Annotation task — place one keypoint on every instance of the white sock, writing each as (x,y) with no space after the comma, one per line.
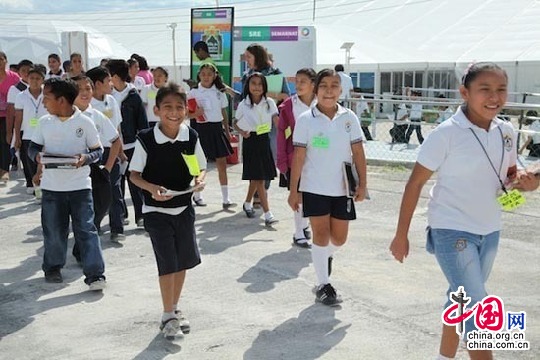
(319,256)
(175,307)
(299,224)
(332,248)
(248,206)
(167,315)
(441,357)
(225,194)
(268,215)
(197,195)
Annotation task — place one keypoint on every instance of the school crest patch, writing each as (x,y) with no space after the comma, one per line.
(348,126)
(508,142)
(79,132)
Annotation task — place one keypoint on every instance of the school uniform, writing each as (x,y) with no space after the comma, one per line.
(170,224)
(289,111)
(32,110)
(58,75)
(416,117)
(138,83)
(397,132)
(534,146)
(110,108)
(464,216)
(328,144)
(148,96)
(256,152)
(67,193)
(211,134)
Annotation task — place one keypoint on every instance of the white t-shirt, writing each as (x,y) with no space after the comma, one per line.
(416,112)
(73,136)
(328,144)
(299,107)
(110,108)
(105,127)
(139,83)
(346,85)
(138,162)
(13,92)
(361,106)
(464,196)
(148,96)
(211,100)
(250,117)
(535,126)
(32,109)
(402,111)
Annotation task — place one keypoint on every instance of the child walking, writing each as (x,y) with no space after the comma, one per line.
(474,154)
(149,92)
(214,131)
(29,109)
(289,111)
(255,115)
(170,221)
(67,192)
(324,138)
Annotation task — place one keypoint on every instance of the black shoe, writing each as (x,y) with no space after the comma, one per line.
(330,259)
(327,295)
(199,202)
(250,213)
(228,205)
(54,276)
(302,243)
(307,233)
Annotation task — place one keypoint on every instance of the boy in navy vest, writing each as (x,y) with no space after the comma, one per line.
(167,158)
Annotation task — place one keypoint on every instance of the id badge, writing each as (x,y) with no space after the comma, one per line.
(263,129)
(152,95)
(192,164)
(320,142)
(34,122)
(511,200)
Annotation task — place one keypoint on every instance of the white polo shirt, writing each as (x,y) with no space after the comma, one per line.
(464,196)
(104,126)
(148,96)
(322,172)
(211,100)
(32,109)
(13,92)
(250,117)
(110,108)
(346,85)
(299,107)
(416,112)
(138,162)
(71,137)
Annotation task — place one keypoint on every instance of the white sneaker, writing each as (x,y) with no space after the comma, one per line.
(171,328)
(30,191)
(98,285)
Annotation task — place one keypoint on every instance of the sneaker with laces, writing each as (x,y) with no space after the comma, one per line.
(98,285)
(184,323)
(326,294)
(53,276)
(170,328)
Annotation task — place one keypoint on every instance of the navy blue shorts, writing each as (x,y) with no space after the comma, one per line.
(338,207)
(173,240)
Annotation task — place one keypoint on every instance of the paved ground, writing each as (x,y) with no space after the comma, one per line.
(251,297)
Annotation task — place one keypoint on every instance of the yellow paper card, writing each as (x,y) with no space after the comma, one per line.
(263,129)
(34,122)
(192,164)
(512,200)
(288,132)
(152,95)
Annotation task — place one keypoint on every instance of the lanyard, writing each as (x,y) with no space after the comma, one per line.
(36,106)
(489,159)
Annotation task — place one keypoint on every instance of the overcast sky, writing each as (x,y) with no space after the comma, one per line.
(70,6)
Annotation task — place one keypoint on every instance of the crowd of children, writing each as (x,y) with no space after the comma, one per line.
(82,135)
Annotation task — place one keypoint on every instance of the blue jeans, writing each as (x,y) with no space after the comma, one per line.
(466,260)
(56,210)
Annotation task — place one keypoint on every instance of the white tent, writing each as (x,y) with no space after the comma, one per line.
(388,34)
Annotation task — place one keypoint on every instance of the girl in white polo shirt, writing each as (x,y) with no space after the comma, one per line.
(212,124)
(149,92)
(474,154)
(255,115)
(324,138)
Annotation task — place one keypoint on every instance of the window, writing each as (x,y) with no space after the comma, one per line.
(367,82)
(386,85)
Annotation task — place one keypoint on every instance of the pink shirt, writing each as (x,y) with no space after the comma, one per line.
(11,79)
(147,76)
